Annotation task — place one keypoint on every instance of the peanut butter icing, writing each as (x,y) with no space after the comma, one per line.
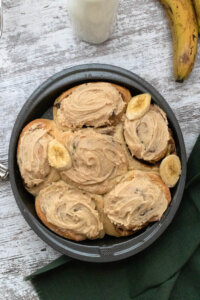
(71,209)
(96,159)
(91,104)
(32,155)
(148,137)
(134,203)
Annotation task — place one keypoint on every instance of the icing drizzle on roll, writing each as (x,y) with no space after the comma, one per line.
(91,104)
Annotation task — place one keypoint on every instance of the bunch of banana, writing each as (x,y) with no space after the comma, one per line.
(197,9)
(185,34)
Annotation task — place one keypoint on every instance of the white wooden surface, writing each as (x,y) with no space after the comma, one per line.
(37,42)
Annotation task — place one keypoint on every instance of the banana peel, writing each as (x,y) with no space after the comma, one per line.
(197,10)
(185,35)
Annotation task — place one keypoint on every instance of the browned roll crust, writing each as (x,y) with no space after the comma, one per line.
(69,212)
(125,93)
(32,155)
(171,145)
(141,198)
(114,114)
(158,181)
(113,230)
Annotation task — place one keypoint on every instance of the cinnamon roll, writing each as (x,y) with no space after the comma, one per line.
(32,155)
(69,212)
(133,163)
(92,104)
(139,199)
(148,137)
(97,161)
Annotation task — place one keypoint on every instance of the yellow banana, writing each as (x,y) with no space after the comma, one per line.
(170,170)
(185,34)
(138,106)
(197,9)
(58,156)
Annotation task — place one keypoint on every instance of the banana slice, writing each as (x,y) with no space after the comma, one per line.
(170,170)
(138,106)
(58,156)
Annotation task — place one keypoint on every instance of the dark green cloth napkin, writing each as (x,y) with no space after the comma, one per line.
(169,269)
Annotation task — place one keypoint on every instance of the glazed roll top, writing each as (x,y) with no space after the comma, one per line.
(33,152)
(91,104)
(137,201)
(96,158)
(70,210)
(148,137)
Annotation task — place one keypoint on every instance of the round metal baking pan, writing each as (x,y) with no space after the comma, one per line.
(39,105)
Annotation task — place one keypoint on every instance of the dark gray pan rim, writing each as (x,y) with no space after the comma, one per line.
(101,251)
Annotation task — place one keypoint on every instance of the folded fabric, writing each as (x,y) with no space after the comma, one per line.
(168,269)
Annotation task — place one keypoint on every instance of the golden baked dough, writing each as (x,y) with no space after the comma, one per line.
(69,212)
(92,104)
(148,137)
(98,161)
(139,199)
(32,155)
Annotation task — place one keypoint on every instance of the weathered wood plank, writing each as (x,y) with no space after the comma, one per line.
(38,42)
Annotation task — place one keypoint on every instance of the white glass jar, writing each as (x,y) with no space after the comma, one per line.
(93,20)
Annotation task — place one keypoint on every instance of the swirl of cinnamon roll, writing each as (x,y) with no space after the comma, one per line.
(140,199)
(69,212)
(97,160)
(32,154)
(92,104)
(148,137)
